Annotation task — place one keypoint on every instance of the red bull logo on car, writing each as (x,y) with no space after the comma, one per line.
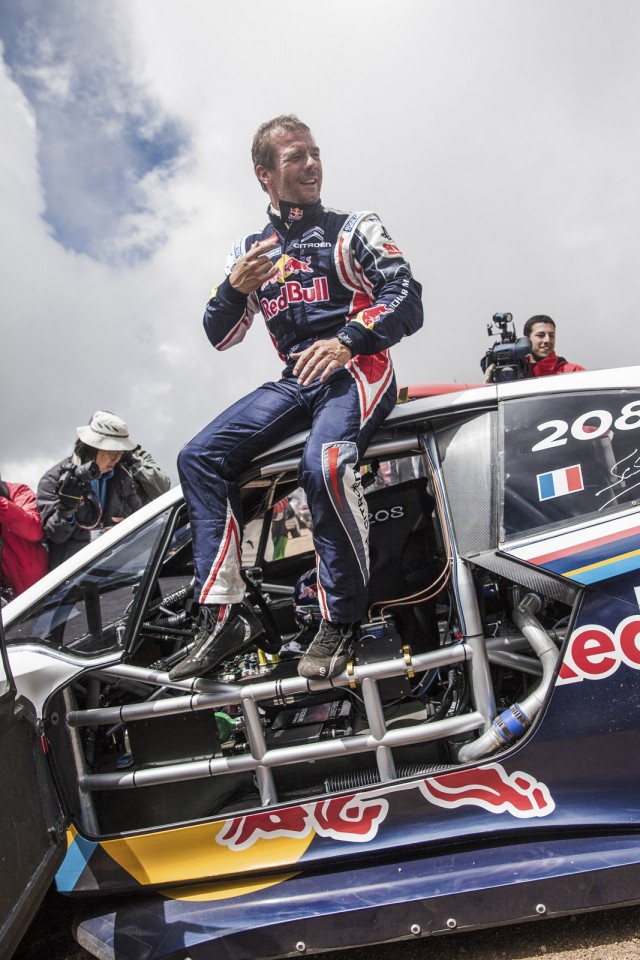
(353,818)
(282,837)
(492,789)
(357,818)
(595,653)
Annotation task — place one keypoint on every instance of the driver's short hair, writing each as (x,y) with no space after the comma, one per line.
(531,322)
(262,152)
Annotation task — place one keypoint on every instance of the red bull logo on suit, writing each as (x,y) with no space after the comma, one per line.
(287,267)
(294,292)
(371,315)
(292,265)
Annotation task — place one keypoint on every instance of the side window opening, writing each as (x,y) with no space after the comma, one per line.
(87,614)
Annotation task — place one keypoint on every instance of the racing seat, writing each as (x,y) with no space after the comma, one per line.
(404,557)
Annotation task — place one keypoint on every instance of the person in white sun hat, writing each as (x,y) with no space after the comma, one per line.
(89,491)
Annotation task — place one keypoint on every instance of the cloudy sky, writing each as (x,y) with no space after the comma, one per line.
(499,140)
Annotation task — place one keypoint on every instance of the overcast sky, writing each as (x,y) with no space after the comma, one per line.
(499,141)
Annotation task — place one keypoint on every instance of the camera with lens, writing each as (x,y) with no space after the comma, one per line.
(505,359)
(75,482)
(85,472)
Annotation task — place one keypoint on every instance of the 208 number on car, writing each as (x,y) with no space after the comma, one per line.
(588,426)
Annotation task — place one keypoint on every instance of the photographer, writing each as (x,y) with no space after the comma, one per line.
(89,491)
(23,559)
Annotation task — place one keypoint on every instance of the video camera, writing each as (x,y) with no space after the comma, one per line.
(505,359)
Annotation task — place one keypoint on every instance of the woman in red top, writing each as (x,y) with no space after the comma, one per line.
(23,559)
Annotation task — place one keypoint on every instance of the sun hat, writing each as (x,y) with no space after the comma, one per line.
(106,432)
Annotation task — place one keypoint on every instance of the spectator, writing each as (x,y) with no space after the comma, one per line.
(23,558)
(543,361)
(89,491)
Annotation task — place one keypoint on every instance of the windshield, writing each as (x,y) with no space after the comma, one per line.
(87,614)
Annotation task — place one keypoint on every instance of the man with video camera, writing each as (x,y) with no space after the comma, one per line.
(89,491)
(518,358)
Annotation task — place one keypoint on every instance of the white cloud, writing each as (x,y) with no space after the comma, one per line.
(100,132)
(53,80)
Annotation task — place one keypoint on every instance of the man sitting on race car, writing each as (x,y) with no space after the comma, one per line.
(335,293)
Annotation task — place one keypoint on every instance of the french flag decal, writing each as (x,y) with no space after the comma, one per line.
(557,483)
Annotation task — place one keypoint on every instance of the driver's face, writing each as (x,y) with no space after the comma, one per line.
(543,340)
(297,170)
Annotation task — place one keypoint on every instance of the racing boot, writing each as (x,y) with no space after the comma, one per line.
(329,651)
(223,629)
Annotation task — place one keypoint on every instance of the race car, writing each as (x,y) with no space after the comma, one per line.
(475,764)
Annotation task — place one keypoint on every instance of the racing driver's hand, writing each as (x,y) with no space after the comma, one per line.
(254,268)
(320,360)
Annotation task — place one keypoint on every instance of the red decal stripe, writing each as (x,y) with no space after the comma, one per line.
(225,342)
(231,533)
(332,458)
(586,545)
(359,367)
(322,597)
(574,478)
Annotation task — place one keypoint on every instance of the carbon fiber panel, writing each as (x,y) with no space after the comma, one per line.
(532,578)
(471,479)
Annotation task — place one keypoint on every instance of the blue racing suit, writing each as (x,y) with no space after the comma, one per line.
(339,274)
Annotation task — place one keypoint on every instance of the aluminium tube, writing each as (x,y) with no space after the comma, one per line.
(514,722)
(281,756)
(481,684)
(377,726)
